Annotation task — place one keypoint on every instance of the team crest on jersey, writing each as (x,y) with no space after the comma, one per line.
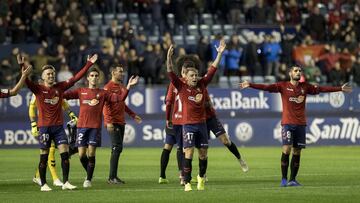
(298,99)
(52,101)
(197,98)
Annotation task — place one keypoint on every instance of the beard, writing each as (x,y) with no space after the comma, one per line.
(296,78)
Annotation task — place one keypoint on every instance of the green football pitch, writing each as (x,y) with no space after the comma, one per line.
(328,174)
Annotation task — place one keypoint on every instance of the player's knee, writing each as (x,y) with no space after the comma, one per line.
(202,156)
(202,153)
(296,151)
(82,153)
(226,142)
(168,147)
(286,149)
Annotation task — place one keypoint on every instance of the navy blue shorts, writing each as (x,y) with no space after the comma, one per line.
(195,135)
(175,138)
(88,136)
(49,133)
(214,125)
(294,135)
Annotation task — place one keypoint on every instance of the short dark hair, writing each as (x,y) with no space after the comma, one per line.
(113,67)
(187,61)
(191,69)
(292,67)
(47,67)
(93,69)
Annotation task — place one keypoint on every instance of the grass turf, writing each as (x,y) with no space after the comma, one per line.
(328,174)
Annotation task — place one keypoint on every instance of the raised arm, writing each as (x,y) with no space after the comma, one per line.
(31,85)
(169,67)
(169,101)
(212,69)
(25,73)
(270,88)
(220,51)
(169,62)
(312,89)
(132,81)
(90,61)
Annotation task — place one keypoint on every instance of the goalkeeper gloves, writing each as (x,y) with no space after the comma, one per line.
(34,129)
(73,117)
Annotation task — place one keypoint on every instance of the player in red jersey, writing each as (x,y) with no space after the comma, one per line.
(114,121)
(293,96)
(5,93)
(192,94)
(214,125)
(92,100)
(173,127)
(50,117)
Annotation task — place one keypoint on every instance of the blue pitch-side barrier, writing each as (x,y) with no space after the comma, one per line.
(251,118)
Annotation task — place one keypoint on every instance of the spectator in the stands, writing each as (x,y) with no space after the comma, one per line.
(337,75)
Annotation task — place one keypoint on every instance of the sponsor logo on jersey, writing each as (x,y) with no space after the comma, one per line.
(289,89)
(84,93)
(4,91)
(298,99)
(92,102)
(52,101)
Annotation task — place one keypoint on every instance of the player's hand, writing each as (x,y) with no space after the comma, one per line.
(133,81)
(27,71)
(93,58)
(34,129)
(169,124)
(20,59)
(73,117)
(110,127)
(222,46)
(244,84)
(138,119)
(346,88)
(170,52)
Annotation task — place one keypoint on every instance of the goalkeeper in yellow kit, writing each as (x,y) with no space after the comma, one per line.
(35,133)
